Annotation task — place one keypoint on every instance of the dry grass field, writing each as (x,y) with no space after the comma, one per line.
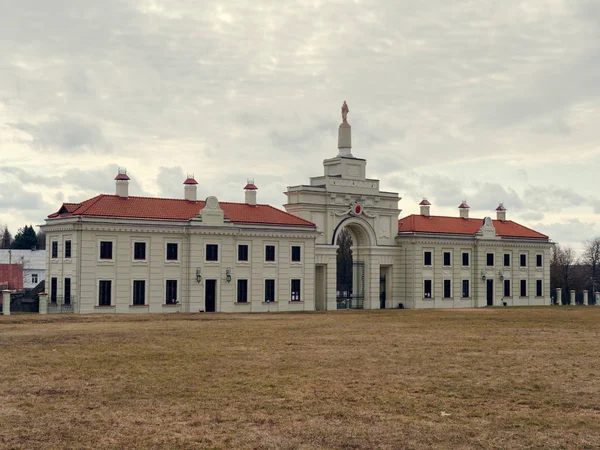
(490,378)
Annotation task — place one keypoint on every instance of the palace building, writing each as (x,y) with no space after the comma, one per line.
(120,253)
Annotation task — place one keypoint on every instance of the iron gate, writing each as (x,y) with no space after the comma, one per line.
(351,288)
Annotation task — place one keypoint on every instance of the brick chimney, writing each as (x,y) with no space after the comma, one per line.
(463,210)
(501,212)
(250,189)
(190,189)
(425,207)
(122,183)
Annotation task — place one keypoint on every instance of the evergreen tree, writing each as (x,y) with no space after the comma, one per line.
(6,239)
(41,239)
(25,239)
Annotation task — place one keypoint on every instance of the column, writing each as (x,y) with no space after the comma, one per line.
(572,292)
(43,303)
(585,298)
(559,296)
(6,303)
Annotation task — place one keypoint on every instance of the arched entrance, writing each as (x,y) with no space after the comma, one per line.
(353,237)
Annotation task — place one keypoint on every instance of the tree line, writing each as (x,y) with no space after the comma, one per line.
(570,271)
(25,239)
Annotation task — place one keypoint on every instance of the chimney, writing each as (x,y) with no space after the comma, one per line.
(250,189)
(122,183)
(425,207)
(190,188)
(463,210)
(501,212)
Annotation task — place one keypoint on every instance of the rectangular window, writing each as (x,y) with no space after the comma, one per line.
(490,259)
(427,289)
(427,258)
(67,249)
(104,288)
(507,260)
(212,252)
(295,253)
(139,292)
(447,289)
(54,249)
(270,253)
(139,251)
(172,251)
(242,290)
(67,291)
(295,290)
(242,252)
(34,278)
(507,288)
(171,292)
(538,260)
(465,289)
(447,258)
(106,250)
(523,288)
(269,290)
(523,260)
(53,289)
(465,259)
(538,288)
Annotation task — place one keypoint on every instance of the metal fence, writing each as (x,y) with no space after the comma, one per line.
(62,306)
(351,302)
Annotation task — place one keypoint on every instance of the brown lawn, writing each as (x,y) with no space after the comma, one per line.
(492,378)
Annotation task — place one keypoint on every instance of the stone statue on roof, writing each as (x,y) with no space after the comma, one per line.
(345,111)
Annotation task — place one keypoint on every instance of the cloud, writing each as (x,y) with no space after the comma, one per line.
(170,181)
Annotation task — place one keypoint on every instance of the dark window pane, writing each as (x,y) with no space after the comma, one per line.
(507,288)
(53,289)
(490,259)
(139,292)
(139,250)
(427,289)
(54,249)
(507,260)
(242,252)
(212,252)
(538,288)
(67,291)
(427,258)
(465,288)
(523,288)
(538,260)
(447,258)
(295,253)
(242,291)
(171,292)
(270,253)
(106,250)
(171,251)
(465,259)
(269,290)
(104,293)
(67,249)
(295,290)
(447,289)
(523,261)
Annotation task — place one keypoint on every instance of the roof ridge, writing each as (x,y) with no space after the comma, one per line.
(92,201)
(289,214)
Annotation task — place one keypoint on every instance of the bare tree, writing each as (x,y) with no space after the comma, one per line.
(591,258)
(561,264)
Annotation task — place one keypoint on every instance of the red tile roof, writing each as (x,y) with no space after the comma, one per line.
(500,207)
(458,225)
(190,180)
(122,176)
(251,187)
(425,202)
(175,209)
(464,205)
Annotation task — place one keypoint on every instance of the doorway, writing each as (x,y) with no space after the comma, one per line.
(382,291)
(490,292)
(210,295)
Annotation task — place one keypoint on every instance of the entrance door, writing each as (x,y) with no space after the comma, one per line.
(382,291)
(210,295)
(490,292)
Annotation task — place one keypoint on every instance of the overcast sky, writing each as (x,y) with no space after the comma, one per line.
(480,100)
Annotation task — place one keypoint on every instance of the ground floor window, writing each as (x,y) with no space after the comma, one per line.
(538,288)
(427,289)
(295,290)
(171,292)
(53,289)
(67,291)
(242,291)
(139,292)
(447,289)
(507,288)
(523,288)
(269,290)
(465,289)
(104,292)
